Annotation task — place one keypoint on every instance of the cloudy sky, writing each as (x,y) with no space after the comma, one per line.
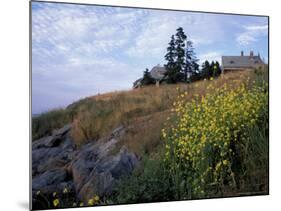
(80,50)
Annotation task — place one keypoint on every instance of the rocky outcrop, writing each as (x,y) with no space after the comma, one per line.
(90,170)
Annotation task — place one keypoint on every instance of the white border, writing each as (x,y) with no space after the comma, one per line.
(14,116)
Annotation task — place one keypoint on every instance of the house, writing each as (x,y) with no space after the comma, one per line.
(242,62)
(137,83)
(157,72)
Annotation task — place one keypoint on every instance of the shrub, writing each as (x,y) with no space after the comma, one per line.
(211,145)
(150,182)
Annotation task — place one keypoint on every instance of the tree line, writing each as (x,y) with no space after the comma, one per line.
(182,63)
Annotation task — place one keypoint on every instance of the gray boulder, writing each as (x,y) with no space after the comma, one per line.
(48,178)
(90,170)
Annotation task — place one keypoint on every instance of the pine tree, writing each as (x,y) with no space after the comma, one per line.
(218,68)
(180,50)
(213,70)
(206,70)
(171,54)
(171,57)
(181,59)
(173,72)
(191,65)
(147,78)
(210,69)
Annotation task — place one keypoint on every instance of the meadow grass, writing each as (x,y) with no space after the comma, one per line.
(172,169)
(96,116)
(215,146)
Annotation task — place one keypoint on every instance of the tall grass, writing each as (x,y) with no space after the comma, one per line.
(214,141)
(97,116)
(45,123)
(202,161)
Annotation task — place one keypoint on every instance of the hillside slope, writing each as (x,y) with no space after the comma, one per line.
(143,111)
(150,144)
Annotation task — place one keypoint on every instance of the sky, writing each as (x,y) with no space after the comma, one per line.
(84,50)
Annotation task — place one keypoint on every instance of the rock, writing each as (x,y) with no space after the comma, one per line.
(46,158)
(48,178)
(42,142)
(118,132)
(90,170)
(52,141)
(62,131)
(122,164)
(105,174)
(98,174)
(98,184)
(52,152)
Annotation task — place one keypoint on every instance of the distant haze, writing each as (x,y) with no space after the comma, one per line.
(80,50)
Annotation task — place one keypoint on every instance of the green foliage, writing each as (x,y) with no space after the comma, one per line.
(44,124)
(147,78)
(181,59)
(210,70)
(171,54)
(212,148)
(150,182)
(65,198)
(180,42)
(191,66)
(176,57)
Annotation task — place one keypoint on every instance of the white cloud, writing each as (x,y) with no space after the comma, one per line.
(76,30)
(82,50)
(157,28)
(210,56)
(251,34)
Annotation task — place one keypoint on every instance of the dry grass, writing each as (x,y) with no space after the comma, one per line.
(143,111)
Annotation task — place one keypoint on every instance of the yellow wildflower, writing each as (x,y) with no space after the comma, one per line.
(91,202)
(65,190)
(56,202)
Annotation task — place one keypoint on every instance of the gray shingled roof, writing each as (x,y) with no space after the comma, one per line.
(241,61)
(158,72)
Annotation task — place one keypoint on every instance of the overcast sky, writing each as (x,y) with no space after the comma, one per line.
(81,50)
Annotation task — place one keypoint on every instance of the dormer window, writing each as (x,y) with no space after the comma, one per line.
(231,62)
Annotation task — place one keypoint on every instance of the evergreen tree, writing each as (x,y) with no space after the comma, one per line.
(171,64)
(206,70)
(180,50)
(218,69)
(210,69)
(181,59)
(171,54)
(213,70)
(191,65)
(147,78)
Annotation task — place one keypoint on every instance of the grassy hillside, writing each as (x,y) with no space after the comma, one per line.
(216,145)
(200,140)
(143,111)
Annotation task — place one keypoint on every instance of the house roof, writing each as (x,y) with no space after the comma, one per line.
(241,61)
(137,83)
(158,72)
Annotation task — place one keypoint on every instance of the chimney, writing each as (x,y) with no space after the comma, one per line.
(242,53)
(251,53)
